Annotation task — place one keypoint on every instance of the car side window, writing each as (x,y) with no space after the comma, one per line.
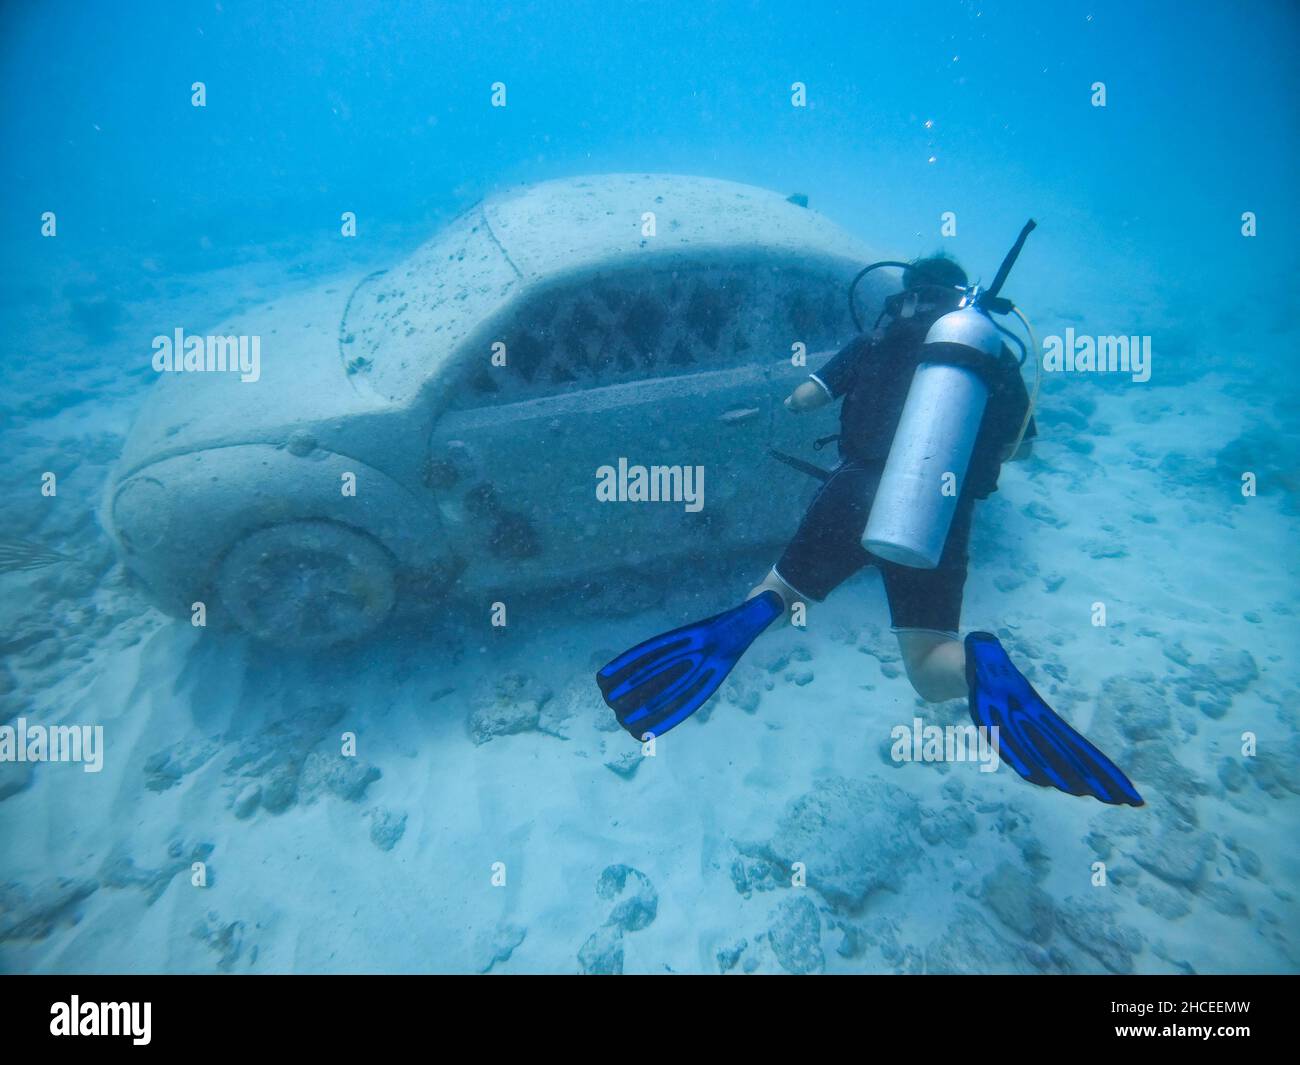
(661,322)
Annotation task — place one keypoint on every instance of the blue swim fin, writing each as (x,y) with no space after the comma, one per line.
(660,683)
(1033,739)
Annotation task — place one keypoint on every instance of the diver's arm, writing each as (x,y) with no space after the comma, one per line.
(808,396)
(833,380)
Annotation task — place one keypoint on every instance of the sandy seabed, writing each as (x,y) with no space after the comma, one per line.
(495,817)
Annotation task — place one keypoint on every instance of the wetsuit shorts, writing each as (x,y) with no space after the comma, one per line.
(826,551)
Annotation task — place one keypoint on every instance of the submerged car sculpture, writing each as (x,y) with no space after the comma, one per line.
(468,397)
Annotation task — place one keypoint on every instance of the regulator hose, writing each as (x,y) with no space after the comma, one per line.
(1038,380)
(853,287)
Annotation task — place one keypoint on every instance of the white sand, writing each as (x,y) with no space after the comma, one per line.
(307,889)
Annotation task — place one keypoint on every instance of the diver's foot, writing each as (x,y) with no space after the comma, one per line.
(660,682)
(1031,737)
(773,583)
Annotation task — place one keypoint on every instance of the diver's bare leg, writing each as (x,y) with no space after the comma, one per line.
(773,583)
(935,663)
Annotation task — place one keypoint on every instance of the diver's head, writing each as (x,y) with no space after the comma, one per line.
(934,271)
(932,286)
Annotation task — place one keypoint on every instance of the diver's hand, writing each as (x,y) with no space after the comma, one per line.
(808,396)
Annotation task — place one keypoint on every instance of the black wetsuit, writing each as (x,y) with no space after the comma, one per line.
(873,374)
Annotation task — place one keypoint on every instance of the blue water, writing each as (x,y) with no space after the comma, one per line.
(913,110)
(384,108)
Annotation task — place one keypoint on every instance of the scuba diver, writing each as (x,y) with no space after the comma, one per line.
(933,404)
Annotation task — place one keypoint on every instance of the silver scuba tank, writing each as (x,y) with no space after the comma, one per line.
(915,501)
